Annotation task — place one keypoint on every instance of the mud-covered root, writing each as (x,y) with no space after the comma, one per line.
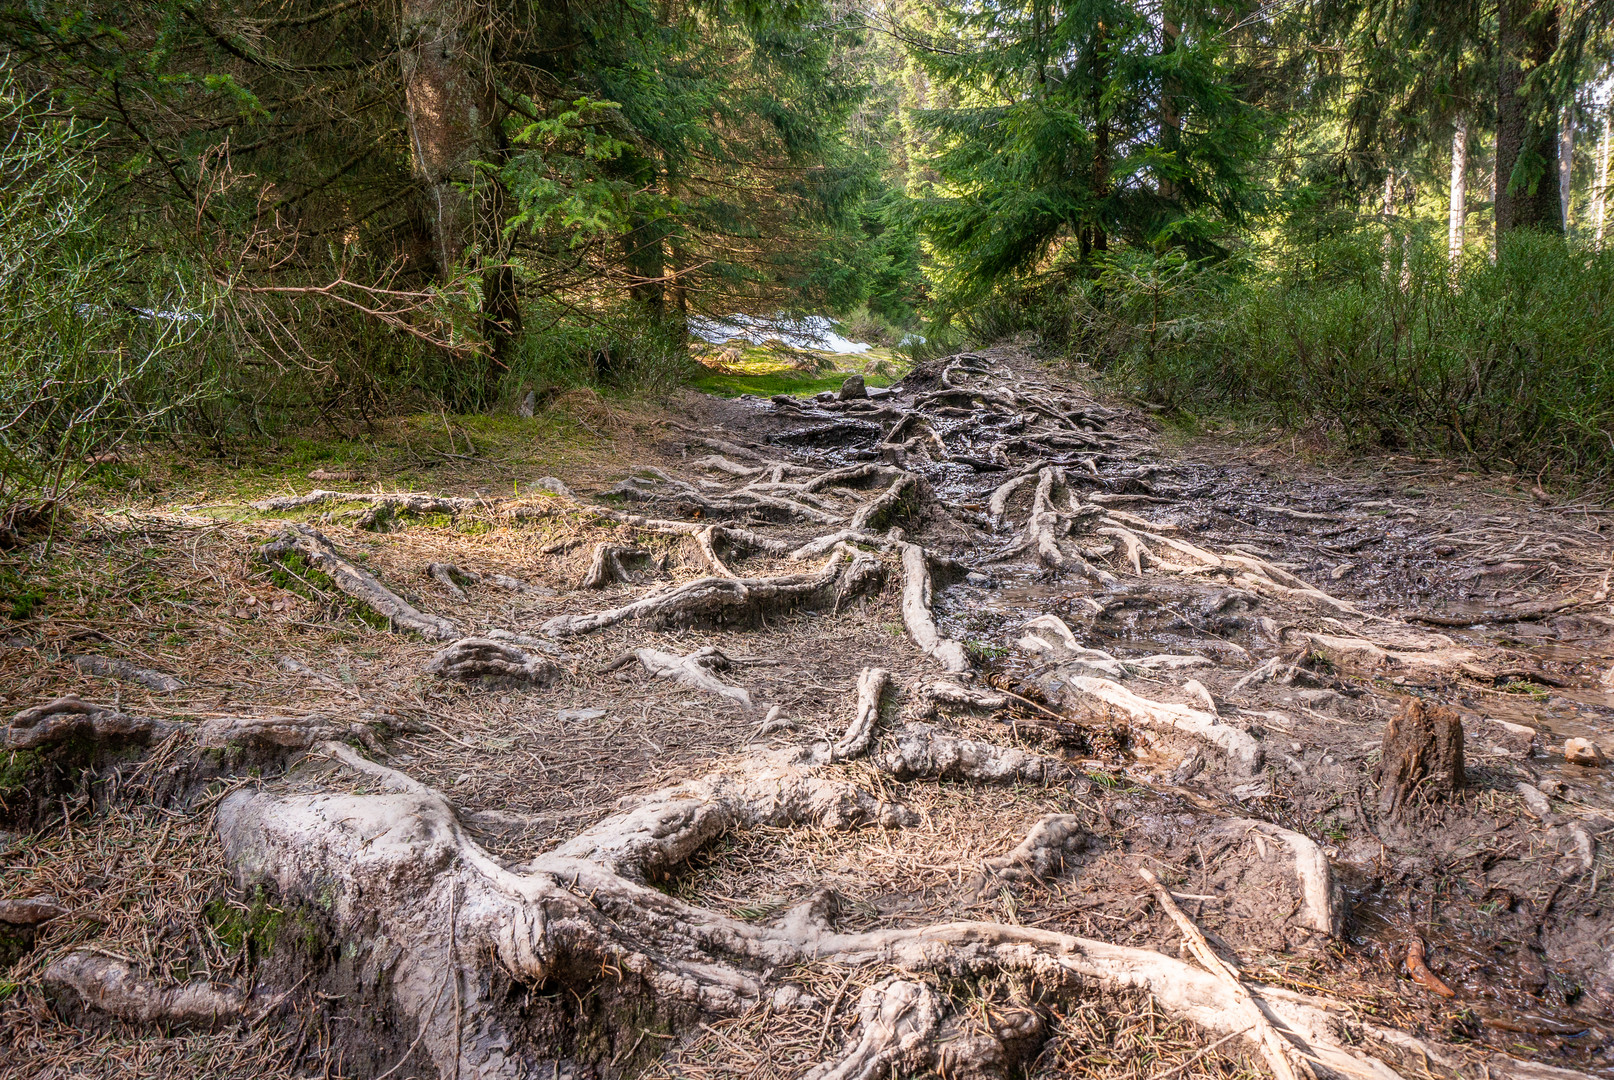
(935,696)
(843,576)
(871,687)
(608,565)
(478,659)
(1422,754)
(116,987)
(360,585)
(1322,906)
(69,718)
(695,670)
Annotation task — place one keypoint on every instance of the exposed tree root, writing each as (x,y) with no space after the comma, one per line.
(1043,852)
(839,580)
(112,668)
(694,670)
(116,987)
(922,751)
(396,866)
(361,585)
(882,510)
(70,718)
(485,659)
(407,501)
(916,613)
(1162,718)
(450,578)
(606,566)
(1321,902)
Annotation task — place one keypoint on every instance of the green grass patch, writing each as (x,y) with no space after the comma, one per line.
(766,370)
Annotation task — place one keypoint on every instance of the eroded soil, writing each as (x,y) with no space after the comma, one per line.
(1288,610)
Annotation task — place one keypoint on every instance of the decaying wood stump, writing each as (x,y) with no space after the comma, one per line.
(1422,749)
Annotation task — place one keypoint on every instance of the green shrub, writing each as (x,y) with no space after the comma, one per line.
(1510,363)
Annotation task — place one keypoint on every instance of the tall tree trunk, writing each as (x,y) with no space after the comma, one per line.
(1388,213)
(1170,115)
(1526,142)
(1566,162)
(1600,190)
(450,107)
(1459,194)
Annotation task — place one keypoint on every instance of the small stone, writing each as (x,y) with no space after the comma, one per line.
(1583,752)
(852,388)
(579,714)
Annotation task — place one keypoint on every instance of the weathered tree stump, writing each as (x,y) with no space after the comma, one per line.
(1422,749)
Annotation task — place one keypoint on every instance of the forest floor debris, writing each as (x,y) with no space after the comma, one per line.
(1147,653)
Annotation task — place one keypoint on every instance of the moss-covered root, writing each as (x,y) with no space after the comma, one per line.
(360,585)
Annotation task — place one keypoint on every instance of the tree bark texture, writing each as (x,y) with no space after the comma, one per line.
(1526,136)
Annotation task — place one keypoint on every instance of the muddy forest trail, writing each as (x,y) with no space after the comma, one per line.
(962,729)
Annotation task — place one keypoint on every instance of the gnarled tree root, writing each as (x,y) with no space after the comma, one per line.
(694,670)
(843,576)
(361,585)
(118,988)
(476,658)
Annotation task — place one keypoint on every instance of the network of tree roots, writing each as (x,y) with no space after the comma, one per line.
(955,730)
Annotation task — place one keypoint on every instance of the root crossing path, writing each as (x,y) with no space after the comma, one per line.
(959,730)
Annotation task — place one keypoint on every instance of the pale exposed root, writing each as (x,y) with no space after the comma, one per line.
(281,733)
(70,718)
(360,585)
(116,987)
(998,506)
(666,827)
(1321,904)
(606,566)
(124,671)
(936,694)
(395,866)
(916,612)
(477,659)
(1048,637)
(449,577)
(814,549)
(899,1025)
(871,686)
(408,501)
(743,502)
(1274,1047)
(694,670)
(30,910)
(889,504)
(922,751)
(1161,718)
(733,599)
(1438,652)
(444,574)
(1042,854)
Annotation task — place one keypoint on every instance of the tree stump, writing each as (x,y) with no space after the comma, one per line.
(1422,749)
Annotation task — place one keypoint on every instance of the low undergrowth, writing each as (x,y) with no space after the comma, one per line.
(1510,364)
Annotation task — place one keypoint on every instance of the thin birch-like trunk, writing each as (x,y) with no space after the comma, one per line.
(1600,189)
(1566,161)
(1459,194)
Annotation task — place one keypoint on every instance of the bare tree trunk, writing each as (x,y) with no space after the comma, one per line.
(1388,213)
(1600,188)
(450,109)
(1566,161)
(1526,149)
(1459,194)
(1170,115)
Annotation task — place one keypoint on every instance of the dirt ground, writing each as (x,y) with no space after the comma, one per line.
(1278,615)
